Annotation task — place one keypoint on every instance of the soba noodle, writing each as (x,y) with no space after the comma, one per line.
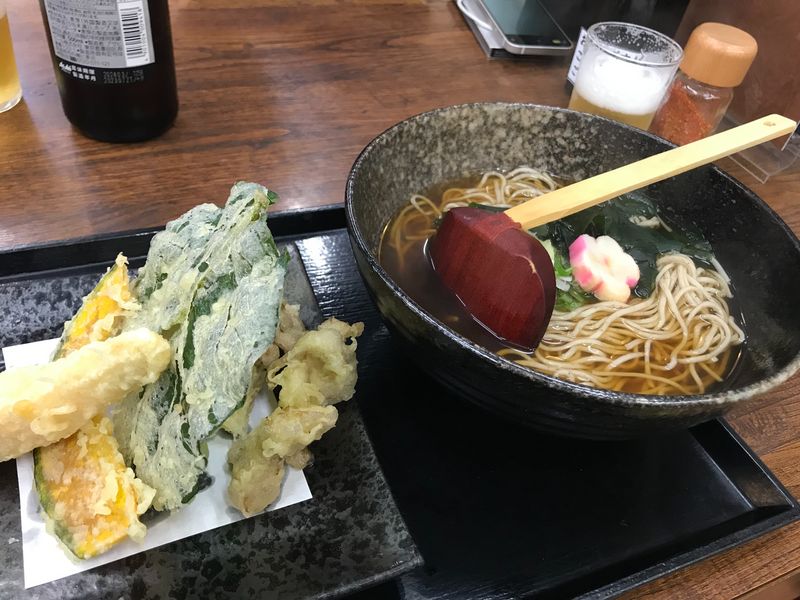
(677,341)
(674,342)
(415,222)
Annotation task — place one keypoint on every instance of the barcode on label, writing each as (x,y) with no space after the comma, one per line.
(134,33)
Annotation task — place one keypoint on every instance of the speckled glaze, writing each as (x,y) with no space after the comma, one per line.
(350,535)
(757,249)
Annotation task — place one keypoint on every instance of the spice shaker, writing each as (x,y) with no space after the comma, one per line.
(715,60)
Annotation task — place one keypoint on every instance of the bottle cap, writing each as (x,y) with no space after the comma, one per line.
(718,54)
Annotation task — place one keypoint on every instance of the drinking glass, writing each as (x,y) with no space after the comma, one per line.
(625,72)
(10,89)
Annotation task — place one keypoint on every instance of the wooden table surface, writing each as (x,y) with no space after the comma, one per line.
(286,92)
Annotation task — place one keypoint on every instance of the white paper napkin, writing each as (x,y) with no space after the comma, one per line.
(44,560)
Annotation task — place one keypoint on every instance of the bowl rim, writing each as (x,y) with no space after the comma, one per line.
(599,395)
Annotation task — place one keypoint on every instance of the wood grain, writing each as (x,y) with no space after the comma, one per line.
(284,95)
(287,93)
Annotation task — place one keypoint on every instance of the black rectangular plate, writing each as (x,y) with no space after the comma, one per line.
(496,511)
(349,536)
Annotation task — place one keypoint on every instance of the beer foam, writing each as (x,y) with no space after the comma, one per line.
(619,85)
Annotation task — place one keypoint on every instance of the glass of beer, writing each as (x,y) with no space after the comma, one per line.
(624,72)
(10,89)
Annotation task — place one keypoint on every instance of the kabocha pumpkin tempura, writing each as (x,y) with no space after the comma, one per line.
(91,498)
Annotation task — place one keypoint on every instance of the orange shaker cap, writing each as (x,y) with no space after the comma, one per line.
(718,54)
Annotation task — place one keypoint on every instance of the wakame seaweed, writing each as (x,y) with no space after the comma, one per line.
(644,244)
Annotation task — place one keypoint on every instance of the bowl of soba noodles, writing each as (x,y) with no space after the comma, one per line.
(710,322)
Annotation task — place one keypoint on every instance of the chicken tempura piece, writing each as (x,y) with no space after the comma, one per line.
(255,479)
(321,367)
(257,459)
(300,460)
(42,404)
(290,327)
(320,370)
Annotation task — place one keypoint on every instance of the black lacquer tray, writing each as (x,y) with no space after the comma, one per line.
(496,511)
(349,536)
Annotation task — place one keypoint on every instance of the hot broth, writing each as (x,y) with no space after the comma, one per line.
(402,254)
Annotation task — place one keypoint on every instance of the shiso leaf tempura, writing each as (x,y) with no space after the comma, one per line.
(212,285)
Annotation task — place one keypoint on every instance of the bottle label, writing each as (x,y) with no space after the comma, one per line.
(93,37)
(572,73)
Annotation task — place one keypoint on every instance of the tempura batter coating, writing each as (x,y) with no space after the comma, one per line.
(288,430)
(42,404)
(317,372)
(90,498)
(256,481)
(102,312)
(300,460)
(257,459)
(212,285)
(321,367)
(290,329)
(237,423)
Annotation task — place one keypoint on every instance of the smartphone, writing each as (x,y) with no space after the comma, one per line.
(526,27)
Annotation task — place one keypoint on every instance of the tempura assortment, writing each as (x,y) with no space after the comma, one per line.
(149,369)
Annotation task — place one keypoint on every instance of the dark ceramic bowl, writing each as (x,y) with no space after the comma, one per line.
(756,248)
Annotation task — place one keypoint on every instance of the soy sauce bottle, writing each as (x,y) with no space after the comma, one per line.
(114,66)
